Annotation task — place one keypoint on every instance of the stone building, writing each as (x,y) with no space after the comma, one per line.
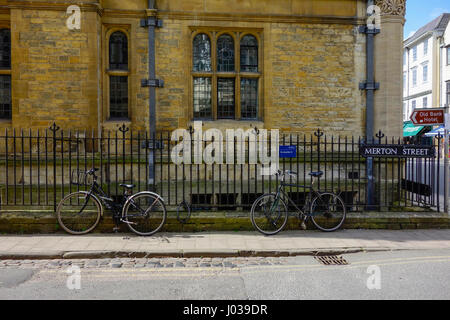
(295,65)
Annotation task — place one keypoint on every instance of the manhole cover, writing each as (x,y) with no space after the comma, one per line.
(331,260)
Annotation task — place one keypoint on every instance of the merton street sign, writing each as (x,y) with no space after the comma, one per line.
(428,117)
(396,151)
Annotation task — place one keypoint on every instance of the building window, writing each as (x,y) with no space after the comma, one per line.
(414,77)
(425,73)
(249,98)
(118,97)
(448,93)
(425,47)
(425,102)
(5,49)
(118,73)
(202,98)
(413,104)
(202,53)
(225,53)
(448,55)
(226,84)
(225,98)
(415,53)
(404,81)
(249,54)
(118,51)
(5,77)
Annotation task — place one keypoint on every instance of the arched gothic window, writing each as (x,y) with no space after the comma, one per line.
(249,54)
(201,53)
(118,51)
(5,78)
(225,53)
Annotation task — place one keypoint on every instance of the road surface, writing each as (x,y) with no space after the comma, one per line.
(405,274)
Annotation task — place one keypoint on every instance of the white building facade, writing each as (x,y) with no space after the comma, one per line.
(423,66)
(445,54)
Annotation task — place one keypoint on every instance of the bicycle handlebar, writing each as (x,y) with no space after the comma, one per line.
(92,171)
(286,172)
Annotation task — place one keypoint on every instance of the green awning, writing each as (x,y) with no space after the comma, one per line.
(410,130)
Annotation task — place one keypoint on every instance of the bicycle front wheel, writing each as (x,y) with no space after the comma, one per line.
(144,213)
(328,211)
(78,212)
(269,214)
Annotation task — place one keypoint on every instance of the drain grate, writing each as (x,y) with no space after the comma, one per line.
(331,260)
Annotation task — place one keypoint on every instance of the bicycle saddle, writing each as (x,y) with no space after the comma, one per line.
(316,174)
(127,186)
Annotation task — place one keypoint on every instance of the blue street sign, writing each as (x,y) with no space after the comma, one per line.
(288,152)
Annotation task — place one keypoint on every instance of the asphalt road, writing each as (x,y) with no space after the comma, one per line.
(374,275)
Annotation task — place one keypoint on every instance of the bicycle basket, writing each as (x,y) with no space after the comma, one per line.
(80,178)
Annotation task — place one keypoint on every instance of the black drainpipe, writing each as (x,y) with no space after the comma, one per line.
(151,23)
(370,86)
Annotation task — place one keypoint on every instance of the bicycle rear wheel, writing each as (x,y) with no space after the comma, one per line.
(78,212)
(328,211)
(269,214)
(144,213)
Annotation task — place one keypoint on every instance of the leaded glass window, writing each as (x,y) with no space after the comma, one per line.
(221,89)
(118,100)
(225,53)
(5,49)
(5,96)
(249,54)
(225,98)
(249,98)
(118,51)
(202,53)
(202,98)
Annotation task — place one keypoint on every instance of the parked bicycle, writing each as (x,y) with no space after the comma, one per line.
(80,212)
(269,213)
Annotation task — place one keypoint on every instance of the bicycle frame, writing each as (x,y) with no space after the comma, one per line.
(97,191)
(308,200)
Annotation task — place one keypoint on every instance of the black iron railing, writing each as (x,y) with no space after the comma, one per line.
(36,168)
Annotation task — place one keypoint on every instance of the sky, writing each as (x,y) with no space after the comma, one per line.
(420,12)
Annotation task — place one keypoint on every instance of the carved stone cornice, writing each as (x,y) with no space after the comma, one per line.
(392,7)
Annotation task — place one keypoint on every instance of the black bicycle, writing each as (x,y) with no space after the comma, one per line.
(269,213)
(80,212)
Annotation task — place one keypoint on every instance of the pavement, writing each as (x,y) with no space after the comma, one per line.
(218,244)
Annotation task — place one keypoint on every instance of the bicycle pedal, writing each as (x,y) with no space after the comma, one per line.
(127,222)
(303,225)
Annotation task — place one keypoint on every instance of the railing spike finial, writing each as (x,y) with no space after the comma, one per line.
(379,134)
(318,133)
(54,127)
(123,128)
